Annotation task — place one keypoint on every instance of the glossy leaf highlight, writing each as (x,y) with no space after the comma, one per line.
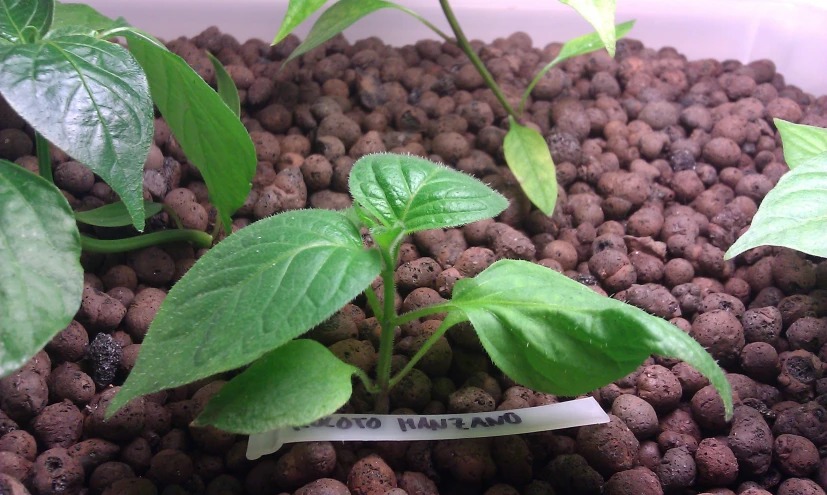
(297,12)
(529,158)
(225,86)
(114,214)
(293,385)
(793,214)
(89,98)
(212,137)
(601,15)
(41,280)
(412,192)
(555,335)
(253,292)
(800,142)
(19,16)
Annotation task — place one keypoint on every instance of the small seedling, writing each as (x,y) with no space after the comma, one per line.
(93,99)
(526,152)
(251,295)
(794,213)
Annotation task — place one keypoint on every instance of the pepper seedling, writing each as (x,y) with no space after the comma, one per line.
(251,296)
(93,99)
(526,151)
(794,213)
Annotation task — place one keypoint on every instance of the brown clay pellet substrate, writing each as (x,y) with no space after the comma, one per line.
(662,164)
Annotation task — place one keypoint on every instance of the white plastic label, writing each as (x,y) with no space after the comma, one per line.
(363,427)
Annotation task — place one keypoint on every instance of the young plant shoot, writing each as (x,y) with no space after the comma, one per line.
(794,213)
(251,296)
(93,99)
(526,152)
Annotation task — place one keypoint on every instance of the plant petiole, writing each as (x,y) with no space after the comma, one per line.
(200,239)
(174,216)
(448,322)
(427,23)
(370,385)
(419,313)
(466,47)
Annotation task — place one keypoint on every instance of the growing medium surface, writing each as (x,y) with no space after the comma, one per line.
(662,163)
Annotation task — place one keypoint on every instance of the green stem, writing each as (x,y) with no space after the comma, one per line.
(383,368)
(370,386)
(374,303)
(466,47)
(448,322)
(419,313)
(426,23)
(44,157)
(534,82)
(198,238)
(167,208)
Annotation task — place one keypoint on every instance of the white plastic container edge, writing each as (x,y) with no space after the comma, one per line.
(364,427)
(790,32)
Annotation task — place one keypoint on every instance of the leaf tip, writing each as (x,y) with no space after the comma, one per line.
(116,405)
(732,252)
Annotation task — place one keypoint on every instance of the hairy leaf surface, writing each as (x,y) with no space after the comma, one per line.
(253,292)
(412,192)
(555,335)
(293,385)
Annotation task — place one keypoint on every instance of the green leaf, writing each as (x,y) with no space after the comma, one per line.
(41,280)
(555,335)
(419,194)
(574,47)
(78,18)
(590,42)
(226,87)
(253,292)
(529,158)
(601,15)
(18,15)
(297,12)
(793,214)
(336,19)
(800,142)
(293,385)
(89,98)
(212,137)
(114,214)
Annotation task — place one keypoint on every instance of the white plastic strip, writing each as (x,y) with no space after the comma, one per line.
(362,427)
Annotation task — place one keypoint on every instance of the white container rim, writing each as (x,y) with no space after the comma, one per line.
(789,32)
